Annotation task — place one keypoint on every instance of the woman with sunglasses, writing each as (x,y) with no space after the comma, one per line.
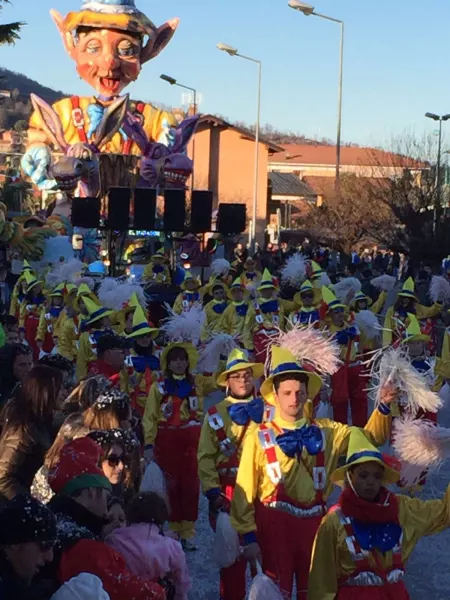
(118,448)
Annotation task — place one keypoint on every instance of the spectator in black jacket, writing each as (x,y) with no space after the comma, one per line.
(27,433)
(16,362)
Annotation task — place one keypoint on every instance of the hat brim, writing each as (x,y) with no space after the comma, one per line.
(190,351)
(418,337)
(100,314)
(317,296)
(266,286)
(314,384)
(144,331)
(389,475)
(135,22)
(183,284)
(404,294)
(257,370)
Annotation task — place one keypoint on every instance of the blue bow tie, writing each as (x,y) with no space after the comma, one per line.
(95,113)
(158,268)
(343,337)
(241,309)
(382,536)
(181,388)
(269,307)
(250,276)
(219,308)
(98,333)
(308,317)
(141,363)
(55,311)
(191,296)
(293,441)
(38,300)
(243,412)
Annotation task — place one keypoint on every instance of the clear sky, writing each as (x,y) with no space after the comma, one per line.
(396,61)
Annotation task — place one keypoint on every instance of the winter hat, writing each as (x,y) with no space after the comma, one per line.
(113,396)
(126,439)
(84,586)
(24,519)
(78,468)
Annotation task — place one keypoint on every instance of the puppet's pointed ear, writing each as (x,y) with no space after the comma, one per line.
(163,35)
(67,36)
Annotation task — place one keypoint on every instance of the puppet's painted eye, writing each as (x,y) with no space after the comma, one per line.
(93,49)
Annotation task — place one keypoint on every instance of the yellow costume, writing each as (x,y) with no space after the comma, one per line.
(342,567)
(50,319)
(156,271)
(88,339)
(154,121)
(214,311)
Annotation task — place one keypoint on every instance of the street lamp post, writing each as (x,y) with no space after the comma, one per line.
(173,81)
(233,52)
(437,202)
(308,10)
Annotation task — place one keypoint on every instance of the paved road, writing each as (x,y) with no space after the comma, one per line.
(428,572)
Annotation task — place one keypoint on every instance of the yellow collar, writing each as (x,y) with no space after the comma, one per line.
(232,400)
(287,424)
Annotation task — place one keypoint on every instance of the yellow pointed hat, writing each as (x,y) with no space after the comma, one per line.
(284,362)
(266,281)
(237,283)
(95,311)
(188,276)
(31,280)
(238,361)
(316,270)
(413,332)
(330,299)
(141,326)
(26,266)
(159,254)
(408,289)
(70,288)
(360,451)
(84,290)
(58,292)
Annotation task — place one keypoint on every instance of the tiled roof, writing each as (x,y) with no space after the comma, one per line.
(219,122)
(288,184)
(312,154)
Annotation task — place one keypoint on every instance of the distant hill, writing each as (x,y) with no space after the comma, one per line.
(16,81)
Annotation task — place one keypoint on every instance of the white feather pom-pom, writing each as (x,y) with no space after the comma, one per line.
(324,280)
(220,266)
(310,347)
(368,324)
(154,481)
(385,283)
(226,548)
(263,588)
(421,443)
(220,344)
(439,289)
(346,289)
(395,369)
(115,295)
(294,271)
(185,327)
(65,272)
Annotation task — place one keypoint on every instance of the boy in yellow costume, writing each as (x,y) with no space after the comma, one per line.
(221,441)
(283,480)
(214,311)
(363,544)
(189,295)
(75,315)
(233,318)
(95,325)
(308,300)
(18,292)
(109,40)
(157,271)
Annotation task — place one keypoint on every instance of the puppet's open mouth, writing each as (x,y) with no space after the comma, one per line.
(176,175)
(68,182)
(110,83)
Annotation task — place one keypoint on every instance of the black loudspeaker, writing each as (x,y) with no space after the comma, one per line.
(201,211)
(119,201)
(174,210)
(231,218)
(86,212)
(144,209)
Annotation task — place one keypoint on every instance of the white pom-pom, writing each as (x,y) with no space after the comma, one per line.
(310,347)
(368,324)
(226,548)
(185,327)
(263,588)
(421,442)
(65,272)
(221,344)
(220,266)
(385,283)
(396,370)
(439,289)
(294,271)
(324,280)
(154,481)
(346,289)
(115,295)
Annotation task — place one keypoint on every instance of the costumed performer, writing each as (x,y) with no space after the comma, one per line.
(365,541)
(407,303)
(19,291)
(95,325)
(75,316)
(30,311)
(221,441)
(250,275)
(110,362)
(157,270)
(283,480)
(264,318)
(214,311)
(233,317)
(145,364)
(50,320)
(189,295)
(348,384)
(172,424)
(308,299)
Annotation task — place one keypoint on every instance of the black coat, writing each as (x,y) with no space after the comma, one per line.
(22,453)
(11,586)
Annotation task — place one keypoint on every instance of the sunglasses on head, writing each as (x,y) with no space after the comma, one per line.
(114,460)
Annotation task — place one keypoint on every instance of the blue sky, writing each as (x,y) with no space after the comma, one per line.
(396,57)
